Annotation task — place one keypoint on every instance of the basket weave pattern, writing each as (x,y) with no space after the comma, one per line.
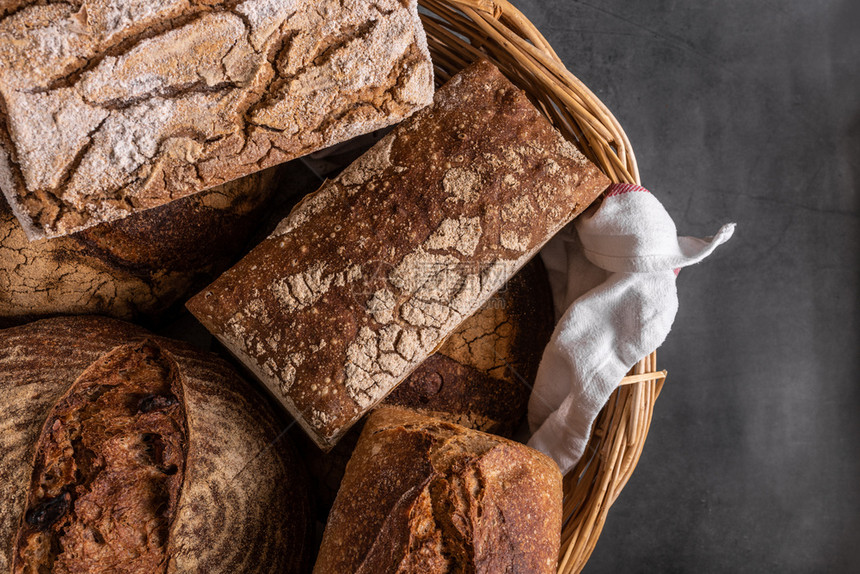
(459,32)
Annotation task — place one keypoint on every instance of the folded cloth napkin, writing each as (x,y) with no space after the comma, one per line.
(613,278)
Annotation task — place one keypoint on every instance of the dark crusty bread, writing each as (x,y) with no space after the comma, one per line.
(423,496)
(479,378)
(368,276)
(134,268)
(108,108)
(125,452)
(482,375)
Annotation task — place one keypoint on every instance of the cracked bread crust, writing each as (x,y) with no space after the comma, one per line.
(367,276)
(425,496)
(241,506)
(479,378)
(482,375)
(137,267)
(109,108)
(109,469)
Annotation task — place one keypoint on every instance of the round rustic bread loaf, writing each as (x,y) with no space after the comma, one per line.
(121,451)
(135,267)
(480,377)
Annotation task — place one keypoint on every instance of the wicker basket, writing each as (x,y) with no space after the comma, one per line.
(460,31)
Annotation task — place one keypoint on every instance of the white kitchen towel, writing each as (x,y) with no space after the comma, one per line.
(613,278)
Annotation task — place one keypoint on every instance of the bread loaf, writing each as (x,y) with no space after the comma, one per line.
(134,268)
(125,452)
(110,108)
(423,496)
(480,377)
(367,276)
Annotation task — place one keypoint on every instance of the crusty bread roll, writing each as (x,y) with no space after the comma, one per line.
(480,377)
(109,108)
(424,496)
(367,276)
(135,268)
(125,452)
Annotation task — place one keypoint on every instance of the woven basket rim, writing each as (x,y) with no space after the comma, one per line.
(459,32)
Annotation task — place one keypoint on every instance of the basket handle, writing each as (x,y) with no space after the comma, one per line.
(485,6)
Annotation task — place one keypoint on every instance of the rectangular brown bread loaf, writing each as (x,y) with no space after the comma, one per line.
(368,275)
(423,496)
(108,108)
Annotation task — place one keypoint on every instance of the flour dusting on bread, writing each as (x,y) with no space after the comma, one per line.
(109,110)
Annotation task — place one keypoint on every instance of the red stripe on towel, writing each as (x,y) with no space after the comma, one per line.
(621,188)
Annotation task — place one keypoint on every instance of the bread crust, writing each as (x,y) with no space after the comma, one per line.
(367,276)
(243,505)
(107,109)
(480,378)
(135,268)
(109,469)
(425,496)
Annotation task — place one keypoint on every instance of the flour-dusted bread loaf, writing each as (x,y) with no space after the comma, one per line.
(481,377)
(125,452)
(368,276)
(135,268)
(108,108)
(423,496)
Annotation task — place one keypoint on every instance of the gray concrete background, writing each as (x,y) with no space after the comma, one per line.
(741,111)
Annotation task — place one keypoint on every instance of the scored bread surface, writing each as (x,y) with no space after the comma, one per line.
(108,108)
(242,506)
(109,469)
(423,496)
(367,276)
